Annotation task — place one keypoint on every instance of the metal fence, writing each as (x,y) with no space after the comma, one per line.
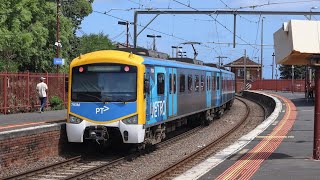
(297,85)
(18,90)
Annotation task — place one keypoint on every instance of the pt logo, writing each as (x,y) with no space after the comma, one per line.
(101,110)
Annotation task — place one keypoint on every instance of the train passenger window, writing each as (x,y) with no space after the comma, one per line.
(182,82)
(196,85)
(202,83)
(218,81)
(190,83)
(174,83)
(170,83)
(160,83)
(208,83)
(213,83)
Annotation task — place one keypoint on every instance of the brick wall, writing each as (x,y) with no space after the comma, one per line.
(19,147)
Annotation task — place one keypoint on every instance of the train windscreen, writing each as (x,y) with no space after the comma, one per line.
(104,83)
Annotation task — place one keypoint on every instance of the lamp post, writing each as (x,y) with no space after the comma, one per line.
(220,60)
(126,23)
(311,11)
(272,64)
(154,40)
(292,77)
(175,47)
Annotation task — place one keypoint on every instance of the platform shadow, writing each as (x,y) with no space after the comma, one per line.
(303,102)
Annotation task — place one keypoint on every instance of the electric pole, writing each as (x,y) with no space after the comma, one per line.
(245,69)
(58,33)
(262,48)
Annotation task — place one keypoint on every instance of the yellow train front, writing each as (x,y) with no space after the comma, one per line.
(106,97)
(139,99)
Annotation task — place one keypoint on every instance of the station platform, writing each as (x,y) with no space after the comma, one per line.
(283,150)
(22,120)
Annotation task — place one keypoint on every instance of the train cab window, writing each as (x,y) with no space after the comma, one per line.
(190,83)
(218,85)
(160,83)
(202,83)
(182,82)
(196,85)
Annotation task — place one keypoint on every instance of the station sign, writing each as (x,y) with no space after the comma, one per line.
(58,61)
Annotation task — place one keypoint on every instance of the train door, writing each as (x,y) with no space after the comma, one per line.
(172,105)
(158,95)
(218,88)
(148,84)
(208,89)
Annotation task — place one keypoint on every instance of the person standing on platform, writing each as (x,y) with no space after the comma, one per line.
(42,93)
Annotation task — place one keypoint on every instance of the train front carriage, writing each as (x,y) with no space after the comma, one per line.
(140,99)
(105,97)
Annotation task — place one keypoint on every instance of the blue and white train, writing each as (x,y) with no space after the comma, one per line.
(141,99)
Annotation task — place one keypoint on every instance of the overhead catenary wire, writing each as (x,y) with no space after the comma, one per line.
(215,20)
(255,42)
(160,32)
(277,3)
(236,9)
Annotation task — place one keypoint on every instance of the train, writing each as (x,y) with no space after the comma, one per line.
(141,99)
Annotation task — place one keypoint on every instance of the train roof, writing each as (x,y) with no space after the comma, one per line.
(177,64)
(125,57)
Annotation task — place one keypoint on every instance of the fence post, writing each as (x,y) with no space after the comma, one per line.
(64,89)
(5,86)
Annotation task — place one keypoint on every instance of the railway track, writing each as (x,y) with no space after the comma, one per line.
(178,167)
(80,167)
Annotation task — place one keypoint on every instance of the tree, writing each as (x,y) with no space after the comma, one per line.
(28,33)
(286,72)
(94,42)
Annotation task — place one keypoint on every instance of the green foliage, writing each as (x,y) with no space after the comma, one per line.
(94,42)
(28,32)
(56,103)
(286,72)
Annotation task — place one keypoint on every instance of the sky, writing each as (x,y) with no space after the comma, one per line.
(213,32)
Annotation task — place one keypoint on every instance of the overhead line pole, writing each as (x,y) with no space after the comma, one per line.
(234,30)
(230,12)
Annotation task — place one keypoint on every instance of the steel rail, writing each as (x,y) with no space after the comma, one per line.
(43,169)
(169,170)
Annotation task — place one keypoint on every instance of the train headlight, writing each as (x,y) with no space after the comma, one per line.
(74,120)
(131,120)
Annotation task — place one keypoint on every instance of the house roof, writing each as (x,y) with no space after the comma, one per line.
(240,63)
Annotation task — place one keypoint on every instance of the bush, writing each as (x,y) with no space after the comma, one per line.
(56,103)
